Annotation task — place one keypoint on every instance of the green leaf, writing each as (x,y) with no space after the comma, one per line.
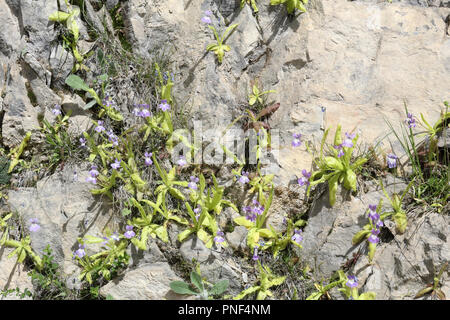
(59,16)
(333,163)
(196,279)
(219,288)
(181,287)
(350,180)
(243,221)
(77,83)
(332,188)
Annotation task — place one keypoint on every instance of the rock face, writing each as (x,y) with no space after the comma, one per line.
(148,282)
(353,63)
(12,275)
(66,211)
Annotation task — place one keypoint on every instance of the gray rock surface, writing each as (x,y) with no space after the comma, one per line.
(66,211)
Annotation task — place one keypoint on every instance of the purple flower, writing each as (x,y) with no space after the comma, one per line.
(115,236)
(182,161)
(375,232)
(352,282)
(99,128)
(193,183)
(219,237)
(244,177)
(91,180)
(145,113)
(208,13)
(116,164)
(164,106)
(373,215)
(94,172)
(80,253)
(206,20)
(410,121)
(129,233)
(297,237)
(348,141)
(83,142)
(296,142)
(255,254)
(251,217)
(148,158)
(56,110)
(305,179)
(136,111)
(197,212)
(34,225)
(373,238)
(379,224)
(112,138)
(392,160)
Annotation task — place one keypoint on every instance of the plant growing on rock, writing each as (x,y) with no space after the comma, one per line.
(105,263)
(266,280)
(256,95)
(77,83)
(16,152)
(198,287)
(22,249)
(350,288)
(252,3)
(146,227)
(337,167)
(434,288)
(398,214)
(71,24)
(291,5)
(372,229)
(219,48)
(254,222)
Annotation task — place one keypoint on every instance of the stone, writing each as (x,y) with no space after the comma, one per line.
(327,237)
(66,210)
(147,282)
(408,264)
(12,275)
(238,238)
(61,64)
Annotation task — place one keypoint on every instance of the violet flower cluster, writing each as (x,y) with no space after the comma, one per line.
(376,223)
(305,179)
(410,120)
(392,160)
(253,211)
(93,175)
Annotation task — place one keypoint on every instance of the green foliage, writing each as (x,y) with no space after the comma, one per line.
(252,3)
(291,5)
(22,249)
(256,230)
(69,19)
(352,293)
(220,48)
(323,290)
(17,291)
(280,241)
(430,176)
(168,183)
(76,83)
(16,152)
(256,96)
(145,226)
(4,166)
(48,283)
(105,263)
(266,280)
(366,231)
(198,287)
(336,169)
(435,288)
(398,214)
(58,140)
